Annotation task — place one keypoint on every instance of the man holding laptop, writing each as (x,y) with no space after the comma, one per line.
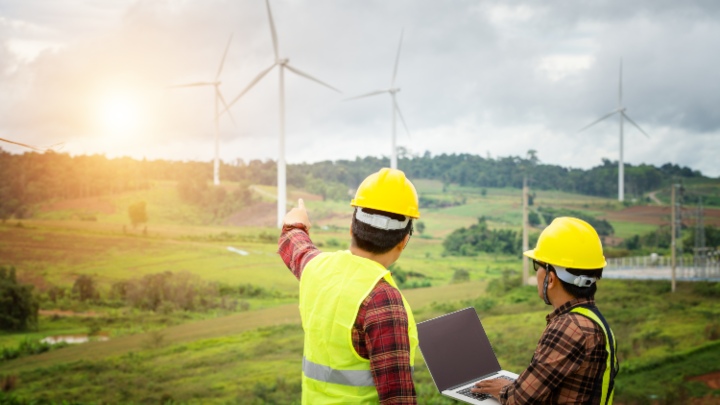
(575,361)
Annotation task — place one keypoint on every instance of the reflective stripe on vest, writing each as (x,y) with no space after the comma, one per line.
(612,365)
(355,378)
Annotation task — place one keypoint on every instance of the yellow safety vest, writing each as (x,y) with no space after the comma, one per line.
(613,365)
(332,288)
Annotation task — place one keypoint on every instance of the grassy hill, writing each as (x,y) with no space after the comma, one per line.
(252,354)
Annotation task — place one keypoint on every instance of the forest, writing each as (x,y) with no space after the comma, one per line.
(32,178)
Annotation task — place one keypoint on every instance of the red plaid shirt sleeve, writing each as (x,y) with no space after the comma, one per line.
(295,248)
(380,333)
(387,344)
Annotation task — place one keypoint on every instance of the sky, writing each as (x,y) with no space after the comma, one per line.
(493,78)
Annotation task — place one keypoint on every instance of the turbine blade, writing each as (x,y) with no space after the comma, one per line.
(196,84)
(397,108)
(22,144)
(598,120)
(636,125)
(307,76)
(374,93)
(249,86)
(222,61)
(620,86)
(397,58)
(272,30)
(227,109)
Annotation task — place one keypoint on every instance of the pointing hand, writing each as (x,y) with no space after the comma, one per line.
(297,215)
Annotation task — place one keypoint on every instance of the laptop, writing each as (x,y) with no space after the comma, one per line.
(458,354)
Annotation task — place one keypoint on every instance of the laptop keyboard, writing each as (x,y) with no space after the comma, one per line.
(477,395)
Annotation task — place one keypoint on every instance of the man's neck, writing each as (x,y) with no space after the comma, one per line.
(560,298)
(385,259)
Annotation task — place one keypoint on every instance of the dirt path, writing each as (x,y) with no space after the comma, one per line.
(58,312)
(265,193)
(653,197)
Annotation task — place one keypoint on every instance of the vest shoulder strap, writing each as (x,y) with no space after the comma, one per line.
(613,365)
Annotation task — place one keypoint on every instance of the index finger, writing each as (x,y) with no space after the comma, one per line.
(301,203)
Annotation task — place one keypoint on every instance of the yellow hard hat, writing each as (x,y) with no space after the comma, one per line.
(390,191)
(571,243)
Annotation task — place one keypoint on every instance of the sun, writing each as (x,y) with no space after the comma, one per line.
(119,115)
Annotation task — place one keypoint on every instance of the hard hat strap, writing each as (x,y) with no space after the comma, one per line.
(380,221)
(545,287)
(580,281)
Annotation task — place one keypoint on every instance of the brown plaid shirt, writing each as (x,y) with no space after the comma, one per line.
(568,364)
(380,333)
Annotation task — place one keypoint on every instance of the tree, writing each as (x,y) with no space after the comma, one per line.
(420,226)
(84,288)
(138,213)
(18,307)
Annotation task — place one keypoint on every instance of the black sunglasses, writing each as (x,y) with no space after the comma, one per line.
(537,265)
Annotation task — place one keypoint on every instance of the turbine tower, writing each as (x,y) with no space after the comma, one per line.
(218,98)
(621,113)
(392,90)
(282,63)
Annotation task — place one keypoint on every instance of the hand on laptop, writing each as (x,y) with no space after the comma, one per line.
(491,387)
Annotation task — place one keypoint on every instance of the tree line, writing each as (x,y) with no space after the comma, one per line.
(32,178)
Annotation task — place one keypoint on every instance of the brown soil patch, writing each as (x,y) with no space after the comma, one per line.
(661,215)
(89,204)
(294,195)
(19,246)
(712,380)
(259,214)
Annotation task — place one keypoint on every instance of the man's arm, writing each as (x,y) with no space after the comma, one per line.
(294,246)
(560,352)
(386,338)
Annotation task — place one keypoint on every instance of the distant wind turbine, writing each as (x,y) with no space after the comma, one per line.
(282,63)
(395,107)
(218,98)
(621,112)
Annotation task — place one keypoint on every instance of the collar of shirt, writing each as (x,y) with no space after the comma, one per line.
(566,307)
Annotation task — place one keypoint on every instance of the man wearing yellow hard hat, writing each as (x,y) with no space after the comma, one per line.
(575,361)
(360,334)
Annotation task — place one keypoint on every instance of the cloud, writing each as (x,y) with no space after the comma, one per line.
(497,76)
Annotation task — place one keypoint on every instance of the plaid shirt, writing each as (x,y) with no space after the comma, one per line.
(568,364)
(380,333)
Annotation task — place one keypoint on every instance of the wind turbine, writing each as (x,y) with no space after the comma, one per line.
(621,113)
(218,98)
(392,90)
(282,63)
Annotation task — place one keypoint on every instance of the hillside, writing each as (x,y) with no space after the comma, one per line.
(246,345)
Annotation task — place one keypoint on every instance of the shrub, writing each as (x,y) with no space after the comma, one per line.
(460,276)
(18,306)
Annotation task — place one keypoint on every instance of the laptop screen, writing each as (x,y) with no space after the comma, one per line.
(456,348)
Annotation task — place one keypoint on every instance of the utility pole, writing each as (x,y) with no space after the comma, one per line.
(673,241)
(525,246)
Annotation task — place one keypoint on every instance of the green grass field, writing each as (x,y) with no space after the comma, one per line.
(253,355)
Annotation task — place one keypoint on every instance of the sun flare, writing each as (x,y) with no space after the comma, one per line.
(120,115)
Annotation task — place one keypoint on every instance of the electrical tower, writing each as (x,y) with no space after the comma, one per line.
(676,228)
(700,251)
